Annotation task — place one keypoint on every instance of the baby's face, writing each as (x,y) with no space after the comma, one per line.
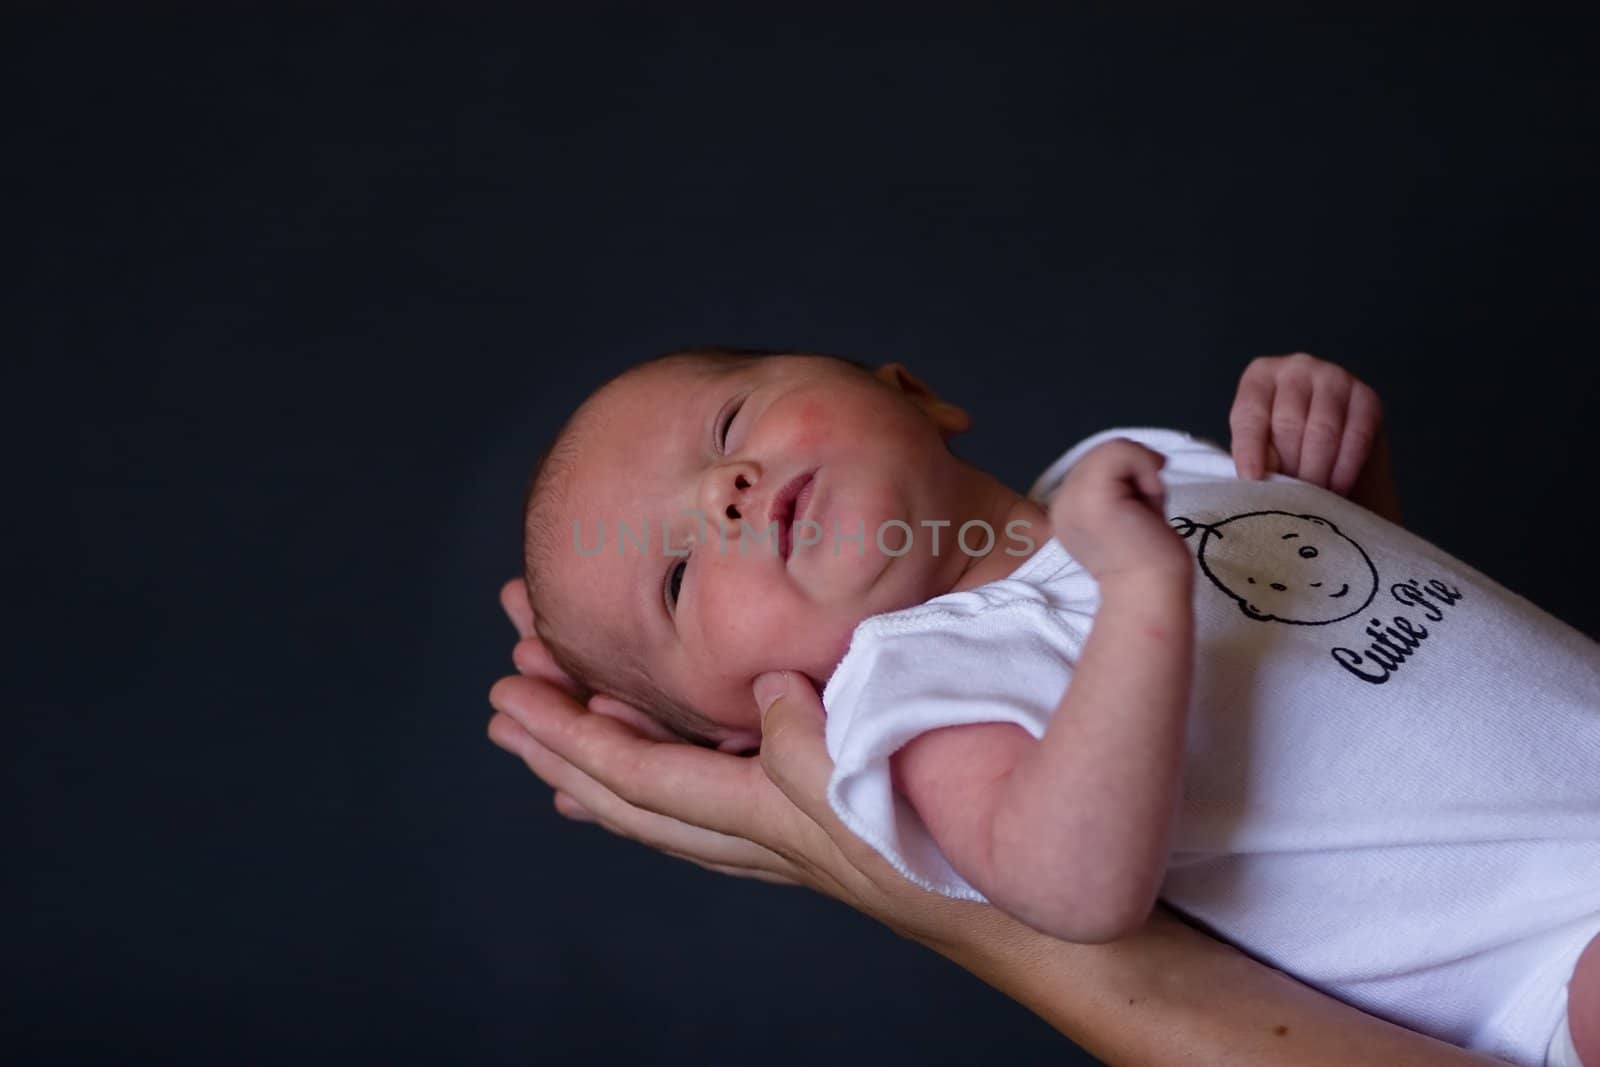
(682,448)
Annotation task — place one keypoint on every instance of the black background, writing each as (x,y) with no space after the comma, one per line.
(297,299)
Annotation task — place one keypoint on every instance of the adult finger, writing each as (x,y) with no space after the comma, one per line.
(1324,429)
(1363,417)
(715,790)
(1248,421)
(514,599)
(737,872)
(533,659)
(794,753)
(600,805)
(571,809)
(661,832)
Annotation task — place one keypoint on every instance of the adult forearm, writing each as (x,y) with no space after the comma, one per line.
(1169,995)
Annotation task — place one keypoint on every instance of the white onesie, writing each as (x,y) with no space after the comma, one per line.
(1392,781)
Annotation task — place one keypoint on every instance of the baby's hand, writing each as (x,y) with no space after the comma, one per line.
(1108,514)
(1305,417)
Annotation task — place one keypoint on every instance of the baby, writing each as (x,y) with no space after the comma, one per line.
(1311,732)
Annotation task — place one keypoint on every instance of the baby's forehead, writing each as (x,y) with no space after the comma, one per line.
(586,597)
(632,421)
(659,378)
(624,444)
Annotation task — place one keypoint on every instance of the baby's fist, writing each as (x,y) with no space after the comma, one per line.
(1320,423)
(1108,513)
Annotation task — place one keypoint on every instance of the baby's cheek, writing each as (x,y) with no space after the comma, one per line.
(752,637)
(811,426)
(732,618)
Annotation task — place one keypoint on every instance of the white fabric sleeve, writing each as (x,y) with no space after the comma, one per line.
(1187,456)
(1000,663)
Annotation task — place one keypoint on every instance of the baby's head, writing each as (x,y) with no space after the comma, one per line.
(646,563)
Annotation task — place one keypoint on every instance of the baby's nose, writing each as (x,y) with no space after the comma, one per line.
(727,495)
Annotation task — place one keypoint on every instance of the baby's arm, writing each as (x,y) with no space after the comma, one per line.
(1071,833)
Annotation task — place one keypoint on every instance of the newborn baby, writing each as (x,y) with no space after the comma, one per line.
(684,447)
(1308,730)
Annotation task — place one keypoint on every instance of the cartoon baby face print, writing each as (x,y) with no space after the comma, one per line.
(1283,567)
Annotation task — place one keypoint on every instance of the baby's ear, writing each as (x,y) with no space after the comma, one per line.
(743,743)
(949,418)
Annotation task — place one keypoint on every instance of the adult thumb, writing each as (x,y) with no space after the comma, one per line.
(794,752)
(768,688)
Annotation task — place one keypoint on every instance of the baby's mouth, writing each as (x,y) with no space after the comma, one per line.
(788,506)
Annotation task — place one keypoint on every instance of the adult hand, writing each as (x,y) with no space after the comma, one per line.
(1166,995)
(764,817)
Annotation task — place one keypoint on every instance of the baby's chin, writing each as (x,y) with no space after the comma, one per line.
(737,713)
(742,717)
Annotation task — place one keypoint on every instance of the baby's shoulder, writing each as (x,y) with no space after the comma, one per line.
(1048,587)
(958,658)
(1188,456)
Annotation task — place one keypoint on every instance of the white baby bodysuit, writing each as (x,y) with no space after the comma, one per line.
(1392,779)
